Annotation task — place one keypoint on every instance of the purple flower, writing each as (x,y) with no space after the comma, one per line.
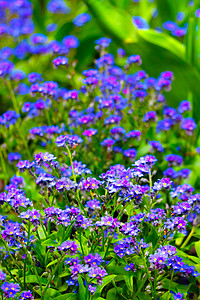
(188,124)
(170,172)
(140,23)
(2,275)
(130,153)
(133,134)
(70,247)
(81,19)
(170,25)
(121,52)
(65,183)
(6,67)
(108,143)
(174,160)
(90,184)
(10,289)
(23,165)
(58,7)
(177,296)
(184,106)
(164,125)
(9,118)
(105,60)
(14,156)
(103,42)
(26,295)
(51,27)
(162,183)
(93,204)
(70,41)
(32,215)
(38,38)
(89,132)
(34,77)
(197,13)
(134,59)
(145,161)
(70,281)
(181,208)
(45,179)
(156,145)
(130,267)
(71,140)
(179,31)
(150,116)
(60,60)
(92,288)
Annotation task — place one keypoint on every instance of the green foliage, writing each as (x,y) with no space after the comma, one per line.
(156,49)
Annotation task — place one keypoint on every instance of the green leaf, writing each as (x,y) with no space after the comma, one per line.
(144,297)
(152,237)
(112,294)
(52,263)
(163,40)
(106,281)
(49,242)
(81,289)
(120,25)
(166,296)
(129,282)
(33,279)
(66,273)
(117,270)
(41,233)
(197,248)
(174,286)
(69,296)
(50,293)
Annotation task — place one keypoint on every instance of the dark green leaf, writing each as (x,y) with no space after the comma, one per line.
(81,289)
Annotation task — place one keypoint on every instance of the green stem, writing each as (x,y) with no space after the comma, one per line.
(3,165)
(148,273)
(189,237)
(81,243)
(71,162)
(17,281)
(13,98)
(53,273)
(29,227)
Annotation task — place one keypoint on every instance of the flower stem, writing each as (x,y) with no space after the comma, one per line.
(189,237)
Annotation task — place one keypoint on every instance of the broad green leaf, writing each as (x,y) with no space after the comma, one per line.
(106,280)
(129,282)
(152,237)
(69,296)
(166,296)
(33,279)
(197,248)
(117,270)
(194,258)
(51,293)
(174,286)
(49,242)
(52,263)
(163,40)
(144,297)
(112,294)
(66,273)
(41,233)
(81,289)
(115,20)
